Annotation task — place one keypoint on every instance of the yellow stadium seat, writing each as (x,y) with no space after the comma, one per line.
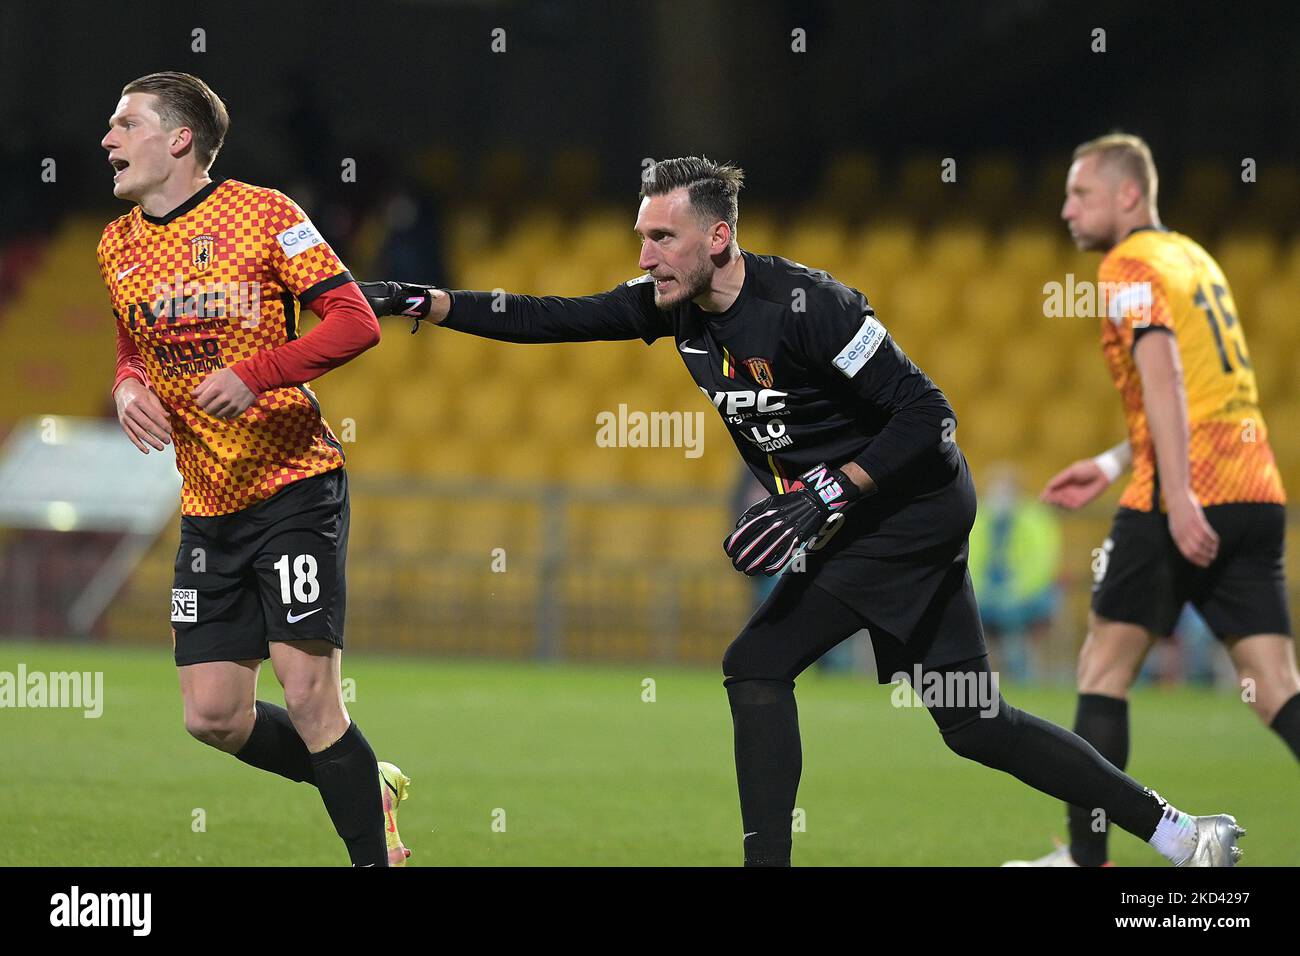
(612,529)
(1284,423)
(1037,254)
(570,276)
(1273,327)
(696,532)
(959,250)
(921,303)
(450,458)
(819,242)
(382,452)
(452,359)
(1031,365)
(962,365)
(605,239)
(525,363)
(499,269)
(587,465)
(410,525)
(996,304)
(757,231)
(480,525)
(1272,375)
(993,428)
(884,250)
(490,412)
(1072,426)
(562,413)
(1248,260)
(601,364)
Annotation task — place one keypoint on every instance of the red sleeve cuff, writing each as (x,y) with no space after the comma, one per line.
(137,373)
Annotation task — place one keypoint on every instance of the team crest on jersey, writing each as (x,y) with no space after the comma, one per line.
(760,370)
(201,252)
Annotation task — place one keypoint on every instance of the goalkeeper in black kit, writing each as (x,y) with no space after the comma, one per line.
(871,502)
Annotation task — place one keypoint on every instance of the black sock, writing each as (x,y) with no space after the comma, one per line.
(1103,722)
(347,776)
(274,745)
(1047,757)
(1287,724)
(1051,759)
(769,760)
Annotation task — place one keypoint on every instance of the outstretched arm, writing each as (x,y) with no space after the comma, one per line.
(1083,481)
(625,312)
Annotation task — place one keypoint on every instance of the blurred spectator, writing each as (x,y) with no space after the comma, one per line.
(1192,656)
(1015,557)
(412,251)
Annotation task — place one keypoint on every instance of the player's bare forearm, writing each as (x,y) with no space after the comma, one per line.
(856,474)
(439,306)
(1165,401)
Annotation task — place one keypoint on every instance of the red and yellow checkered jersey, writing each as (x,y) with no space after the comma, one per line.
(1157,279)
(210,284)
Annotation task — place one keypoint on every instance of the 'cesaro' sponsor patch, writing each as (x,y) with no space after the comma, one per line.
(861,347)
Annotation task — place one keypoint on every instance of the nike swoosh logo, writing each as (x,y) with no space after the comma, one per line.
(123,275)
(295,618)
(686,348)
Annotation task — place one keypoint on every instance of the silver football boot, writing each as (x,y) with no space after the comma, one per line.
(1216,841)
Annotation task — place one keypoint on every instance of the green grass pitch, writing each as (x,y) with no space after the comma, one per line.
(582,771)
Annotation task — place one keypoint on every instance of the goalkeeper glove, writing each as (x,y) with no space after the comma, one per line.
(399,298)
(768,534)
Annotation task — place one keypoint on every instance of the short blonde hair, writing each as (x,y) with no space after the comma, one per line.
(1130,154)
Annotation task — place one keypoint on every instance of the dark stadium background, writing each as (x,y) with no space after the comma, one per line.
(520,170)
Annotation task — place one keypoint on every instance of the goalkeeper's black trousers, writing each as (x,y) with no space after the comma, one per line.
(795,627)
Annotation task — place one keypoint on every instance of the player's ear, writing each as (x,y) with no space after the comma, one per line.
(181,138)
(1130,195)
(720,238)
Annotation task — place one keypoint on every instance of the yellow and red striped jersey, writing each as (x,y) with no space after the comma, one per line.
(1158,279)
(211,283)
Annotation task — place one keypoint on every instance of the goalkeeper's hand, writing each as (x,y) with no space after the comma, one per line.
(400,298)
(769,533)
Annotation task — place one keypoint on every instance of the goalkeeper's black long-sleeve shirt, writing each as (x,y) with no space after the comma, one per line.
(802,372)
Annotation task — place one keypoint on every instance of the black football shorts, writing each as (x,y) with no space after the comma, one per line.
(1140,577)
(271,572)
